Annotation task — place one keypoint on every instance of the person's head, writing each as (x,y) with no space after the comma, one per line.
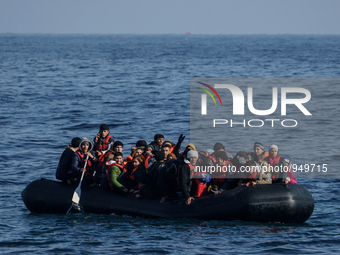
(168,143)
(75,142)
(85,145)
(171,156)
(192,156)
(118,146)
(137,160)
(138,152)
(118,158)
(159,139)
(148,150)
(218,147)
(287,160)
(141,144)
(104,130)
(221,156)
(159,155)
(273,150)
(258,149)
(251,165)
(190,146)
(251,156)
(166,149)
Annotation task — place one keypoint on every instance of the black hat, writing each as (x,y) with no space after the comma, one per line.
(159,155)
(141,143)
(218,146)
(104,127)
(117,143)
(157,136)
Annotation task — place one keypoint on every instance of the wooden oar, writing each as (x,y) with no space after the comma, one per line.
(77,192)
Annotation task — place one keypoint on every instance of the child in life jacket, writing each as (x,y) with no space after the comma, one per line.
(290,173)
(114,170)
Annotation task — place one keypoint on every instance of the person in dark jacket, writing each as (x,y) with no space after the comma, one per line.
(155,186)
(64,170)
(79,161)
(185,174)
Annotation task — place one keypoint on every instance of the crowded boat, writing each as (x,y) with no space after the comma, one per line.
(161,170)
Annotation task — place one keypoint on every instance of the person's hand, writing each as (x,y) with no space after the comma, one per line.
(162,200)
(83,170)
(97,137)
(125,190)
(181,139)
(188,202)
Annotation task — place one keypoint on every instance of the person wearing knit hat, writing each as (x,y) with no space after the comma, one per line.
(118,146)
(185,173)
(192,154)
(190,145)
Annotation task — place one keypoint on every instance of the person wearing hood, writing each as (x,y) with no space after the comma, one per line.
(64,170)
(79,159)
(277,164)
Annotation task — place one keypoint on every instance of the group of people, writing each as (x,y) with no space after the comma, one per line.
(160,170)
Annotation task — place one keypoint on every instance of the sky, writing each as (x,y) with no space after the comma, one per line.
(170,17)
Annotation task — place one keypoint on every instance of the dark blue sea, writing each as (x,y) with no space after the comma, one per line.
(56,87)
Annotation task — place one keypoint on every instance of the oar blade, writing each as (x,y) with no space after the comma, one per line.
(76,195)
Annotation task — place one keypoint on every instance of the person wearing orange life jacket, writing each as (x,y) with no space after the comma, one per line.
(79,160)
(100,169)
(114,170)
(276,164)
(102,141)
(249,174)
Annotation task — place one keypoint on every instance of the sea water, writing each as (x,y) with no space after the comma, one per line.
(56,87)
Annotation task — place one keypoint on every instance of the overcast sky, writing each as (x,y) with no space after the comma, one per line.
(171,16)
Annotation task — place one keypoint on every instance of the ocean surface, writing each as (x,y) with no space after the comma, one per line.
(56,87)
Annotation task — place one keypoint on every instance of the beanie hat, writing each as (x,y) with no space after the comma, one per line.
(287,159)
(157,136)
(260,145)
(141,144)
(159,155)
(117,143)
(273,146)
(192,154)
(218,146)
(190,145)
(104,127)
